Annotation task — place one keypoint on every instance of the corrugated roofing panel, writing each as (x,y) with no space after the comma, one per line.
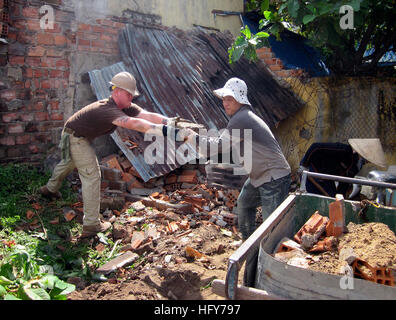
(176,73)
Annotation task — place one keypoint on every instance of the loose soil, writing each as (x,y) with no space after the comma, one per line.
(166,273)
(372,242)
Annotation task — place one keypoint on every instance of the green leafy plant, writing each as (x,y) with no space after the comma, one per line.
(247,44)
(319,21)
(21,278)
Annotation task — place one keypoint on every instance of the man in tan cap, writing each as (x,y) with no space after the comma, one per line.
(94,120)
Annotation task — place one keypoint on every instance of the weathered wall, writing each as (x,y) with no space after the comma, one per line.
(43,76)
(338,109)
(183,14)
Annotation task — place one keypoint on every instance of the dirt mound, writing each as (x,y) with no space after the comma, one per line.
(372,242)
(167,272)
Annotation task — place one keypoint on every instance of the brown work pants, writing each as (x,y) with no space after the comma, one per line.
(83,157)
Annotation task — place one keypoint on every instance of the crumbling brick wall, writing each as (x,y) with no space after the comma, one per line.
(37,78)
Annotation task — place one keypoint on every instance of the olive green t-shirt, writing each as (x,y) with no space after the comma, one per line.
(96,119)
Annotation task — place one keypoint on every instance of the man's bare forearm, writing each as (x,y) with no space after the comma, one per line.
(153,117)
(137,124)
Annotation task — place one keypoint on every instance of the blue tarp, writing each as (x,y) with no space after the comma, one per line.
(294,52)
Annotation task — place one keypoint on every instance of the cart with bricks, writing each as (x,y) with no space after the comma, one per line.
(276,255)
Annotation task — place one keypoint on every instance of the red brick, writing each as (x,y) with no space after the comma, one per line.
(172,178)
(336,224)
(45,39)
(56,74)
(118,25)
(54,53)
(98,43)
(28,73)
(287,245)
(112,163)
(270,61)
(284,73)
(98,29)
(25,139)
(34,148)
(7,141)
(55,29)
(88,36)
(60,40)
(110,174)
(106,37)
(32,25)
(327,244)
(26,117)
(54,105)
(188,176)
(106,22)
(8,117)
(45,84)
(83,48)
(8,94)
(83,42)
(84,27)
(12,35)
(367,272)
(127,177)
(112,31)
(62,63)
(384,276)
(125,165)
(33,61)
(15,128)
(134,183)
(41,116)
(40,73)
(275,67)
(56,116)
(314,224)
(30,12)
(37,51)
(48,62)
(17,60)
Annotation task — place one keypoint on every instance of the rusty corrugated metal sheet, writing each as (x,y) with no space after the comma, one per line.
(176,73)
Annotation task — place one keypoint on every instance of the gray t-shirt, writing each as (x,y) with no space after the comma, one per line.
(267,161)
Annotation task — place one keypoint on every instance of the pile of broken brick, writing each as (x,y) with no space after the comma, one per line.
(320,234)
(142,213)
(184,190)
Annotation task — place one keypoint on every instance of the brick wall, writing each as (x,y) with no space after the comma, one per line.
(35,75)
(275,65)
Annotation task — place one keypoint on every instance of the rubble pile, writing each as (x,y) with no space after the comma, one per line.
(168,223)
(365,251)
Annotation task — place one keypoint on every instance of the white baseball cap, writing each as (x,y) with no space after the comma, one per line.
(235,88)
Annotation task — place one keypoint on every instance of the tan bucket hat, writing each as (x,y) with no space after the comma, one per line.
(124,80)
(235,88)
(369,149)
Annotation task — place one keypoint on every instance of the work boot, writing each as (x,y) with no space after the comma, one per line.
(48,194)
(90,231)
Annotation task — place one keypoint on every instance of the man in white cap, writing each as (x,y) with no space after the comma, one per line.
(94,120)
(269,177)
